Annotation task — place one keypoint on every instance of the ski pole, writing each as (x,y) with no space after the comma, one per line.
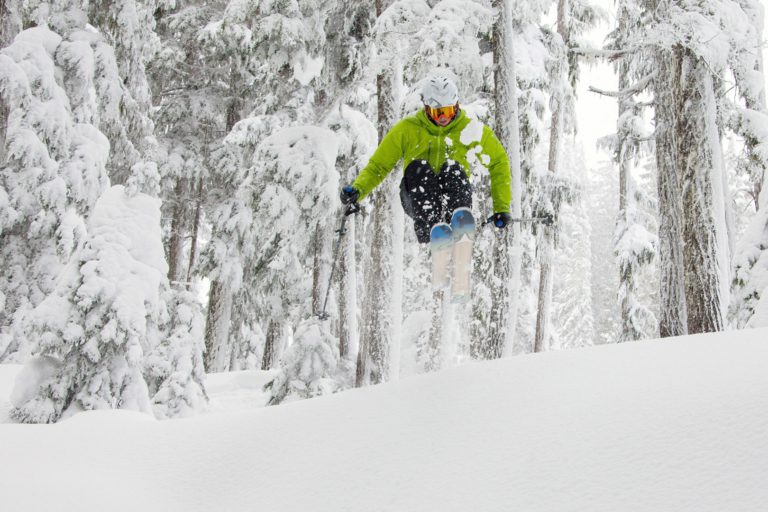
(351,209)
(547,219)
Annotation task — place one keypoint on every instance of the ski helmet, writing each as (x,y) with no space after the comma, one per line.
(439,91)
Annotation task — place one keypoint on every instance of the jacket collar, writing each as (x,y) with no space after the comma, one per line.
(434,129)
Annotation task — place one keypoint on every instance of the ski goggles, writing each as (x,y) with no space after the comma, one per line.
(442,114)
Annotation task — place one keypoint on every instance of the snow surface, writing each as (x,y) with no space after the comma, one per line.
(670,425)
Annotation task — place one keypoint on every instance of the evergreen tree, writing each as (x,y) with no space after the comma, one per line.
(634,244)
(129,28)
(559,104)
(104,315)
(174,368)
(749,285)
(53,168)
(261,248)
(269,55)
(310,366)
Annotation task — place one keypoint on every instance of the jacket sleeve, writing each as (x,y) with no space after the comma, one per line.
(498,168)
(384,159)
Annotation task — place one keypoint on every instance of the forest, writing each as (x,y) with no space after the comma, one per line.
(171,169)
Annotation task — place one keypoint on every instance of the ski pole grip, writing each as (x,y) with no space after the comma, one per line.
(352,208)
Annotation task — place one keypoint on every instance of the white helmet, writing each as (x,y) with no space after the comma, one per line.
(439,91)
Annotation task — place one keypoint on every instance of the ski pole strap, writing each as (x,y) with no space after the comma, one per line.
(352,208)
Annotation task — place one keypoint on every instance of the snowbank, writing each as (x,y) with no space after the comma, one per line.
(673,425)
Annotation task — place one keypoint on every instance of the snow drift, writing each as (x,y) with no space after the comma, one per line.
(672,425)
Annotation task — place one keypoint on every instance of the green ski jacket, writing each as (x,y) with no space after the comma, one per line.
(465,141)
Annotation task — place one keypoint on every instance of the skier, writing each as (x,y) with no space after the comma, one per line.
(438,146)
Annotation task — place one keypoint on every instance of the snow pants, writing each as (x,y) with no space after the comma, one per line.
(430,198)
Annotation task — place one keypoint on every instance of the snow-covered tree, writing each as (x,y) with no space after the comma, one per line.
(634,243)
(673,310)
(105,314)
(382,313)
(128,26)
(174,368)
(603,211)
(357,138)
(269,54)
(497,270)
(532,79)
(53,167)
(574,324)
(751,122)
(262,248)
(560,101)
(695,44)
(310,367)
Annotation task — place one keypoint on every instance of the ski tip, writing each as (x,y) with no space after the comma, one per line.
(441,226)
(463,223)
(441,233)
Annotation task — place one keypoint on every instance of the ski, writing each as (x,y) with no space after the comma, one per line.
(463,231)
(441,245)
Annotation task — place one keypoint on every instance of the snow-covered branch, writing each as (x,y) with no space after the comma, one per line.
(601,53)
(639,87)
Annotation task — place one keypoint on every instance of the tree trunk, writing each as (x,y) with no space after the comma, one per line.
(274,332)
(195,228)
(10,22)
(348,340)
(217,349)
(219,317)
(507,251)
(673,309)
(176,242)
(375,351)
(698,151)
(377,308)
(321,268)
(543,318)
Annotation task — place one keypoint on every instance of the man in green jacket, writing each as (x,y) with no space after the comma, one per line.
(438,146)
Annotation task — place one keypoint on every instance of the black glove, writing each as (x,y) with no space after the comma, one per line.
(349,194)
(500,220)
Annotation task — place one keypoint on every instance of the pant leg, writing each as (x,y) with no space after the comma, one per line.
(455,190)
(421,197)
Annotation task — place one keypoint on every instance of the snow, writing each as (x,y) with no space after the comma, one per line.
(670,425)
(306,69)
(473,132)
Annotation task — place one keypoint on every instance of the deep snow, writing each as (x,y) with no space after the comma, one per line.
(672,425)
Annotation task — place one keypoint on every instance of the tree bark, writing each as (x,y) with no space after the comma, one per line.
(217,349)
(176,241)
(270,345)
(698,160)
(10,22)
(673,309)
(321,269)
